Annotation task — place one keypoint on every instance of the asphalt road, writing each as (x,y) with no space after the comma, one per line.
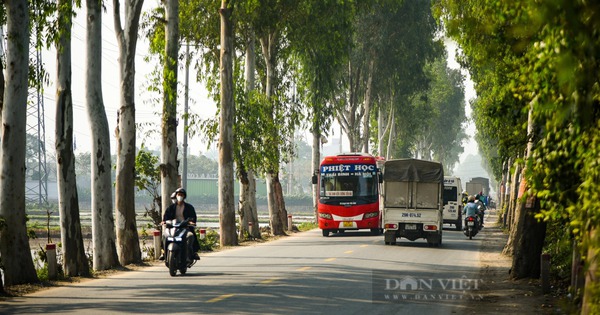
(306,273)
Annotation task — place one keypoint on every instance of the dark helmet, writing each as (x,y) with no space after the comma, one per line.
(182,191)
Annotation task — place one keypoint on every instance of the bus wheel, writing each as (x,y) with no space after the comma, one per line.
(325,233)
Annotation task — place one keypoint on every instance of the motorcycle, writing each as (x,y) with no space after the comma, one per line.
(177,256)
(471,226)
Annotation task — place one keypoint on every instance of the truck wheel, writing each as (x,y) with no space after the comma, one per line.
(458,223)
(326,233)
(390,237)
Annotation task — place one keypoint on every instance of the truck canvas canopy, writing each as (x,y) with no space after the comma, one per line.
(413,170)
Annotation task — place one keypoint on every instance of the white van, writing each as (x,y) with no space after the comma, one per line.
(452,201)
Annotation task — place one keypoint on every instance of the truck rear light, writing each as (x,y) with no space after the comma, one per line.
(323,215)
(430,228)
(391,226)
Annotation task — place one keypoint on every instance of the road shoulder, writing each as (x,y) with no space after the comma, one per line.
(500,293)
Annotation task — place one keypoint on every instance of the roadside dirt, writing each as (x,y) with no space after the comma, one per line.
(501,294)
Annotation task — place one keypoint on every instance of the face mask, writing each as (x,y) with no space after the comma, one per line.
(180,198)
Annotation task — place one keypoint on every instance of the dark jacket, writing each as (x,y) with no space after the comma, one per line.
(188,212)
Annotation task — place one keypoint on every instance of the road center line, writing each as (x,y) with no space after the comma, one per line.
(219,298)
(268,280)
(303,268)
(349,252)
(330,259)
(364,245)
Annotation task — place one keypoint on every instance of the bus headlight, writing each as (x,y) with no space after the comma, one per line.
(369,215)
(325,216)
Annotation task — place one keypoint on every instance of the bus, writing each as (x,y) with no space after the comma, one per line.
(453,201)
(348,193)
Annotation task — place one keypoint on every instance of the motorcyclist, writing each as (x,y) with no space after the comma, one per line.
(465,197)
(182,210)
(481,211)
(470,209)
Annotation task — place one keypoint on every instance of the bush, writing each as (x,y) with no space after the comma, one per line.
(305,226)
(210,241)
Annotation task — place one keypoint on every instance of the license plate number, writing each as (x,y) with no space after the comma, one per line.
(410,227)
(348,224)
(470,223)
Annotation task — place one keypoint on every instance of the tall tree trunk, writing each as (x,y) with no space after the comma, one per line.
(529,242)
(592,274)
(277,227)
(390,144)
(248,212)
(315,162)
(529,233)
(350,116)
(127,235)
(226,178)
(1,108)
(14,244)
(382,131)
(512,205)
(268,45)
(103,233)
(501,192)
(74,259)
(380,124)
(247,207)
(368,101)
(169,164)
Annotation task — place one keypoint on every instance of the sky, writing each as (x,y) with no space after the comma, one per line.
(147,112)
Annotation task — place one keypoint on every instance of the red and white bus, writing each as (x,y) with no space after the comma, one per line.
(348,193)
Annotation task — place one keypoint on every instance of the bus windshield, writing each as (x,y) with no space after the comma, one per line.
(358,184)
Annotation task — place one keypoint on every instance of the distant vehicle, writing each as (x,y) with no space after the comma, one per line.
(453,201)
(348,193)
(478,185)
(412,200)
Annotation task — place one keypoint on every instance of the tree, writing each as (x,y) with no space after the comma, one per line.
(75,260)
(441,122)
(226,203)
(148,179)
(127,234)
(538,58)
(169,163)
(393,41)
(322,50)
(104,254)
(17,263)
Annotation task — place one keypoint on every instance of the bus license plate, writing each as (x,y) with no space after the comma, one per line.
(410,227)
(348,224)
